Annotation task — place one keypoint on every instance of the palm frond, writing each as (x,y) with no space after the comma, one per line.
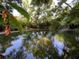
(20,9)
(14,23)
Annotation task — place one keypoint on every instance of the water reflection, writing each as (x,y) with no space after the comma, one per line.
(17,47)
(59,45)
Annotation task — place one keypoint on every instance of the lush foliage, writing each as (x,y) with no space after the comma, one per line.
(42,15)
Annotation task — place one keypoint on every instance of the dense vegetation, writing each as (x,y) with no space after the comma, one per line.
(62,20)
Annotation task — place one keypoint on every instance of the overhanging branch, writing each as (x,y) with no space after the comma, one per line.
(38,30)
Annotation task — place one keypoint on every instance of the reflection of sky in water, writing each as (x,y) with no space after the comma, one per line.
(58,45)
(30,56)
(17,44)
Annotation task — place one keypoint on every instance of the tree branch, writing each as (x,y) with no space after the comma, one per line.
(37,30)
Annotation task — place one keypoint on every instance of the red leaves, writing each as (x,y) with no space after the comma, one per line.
(7,27)
(4,14)
(7,30)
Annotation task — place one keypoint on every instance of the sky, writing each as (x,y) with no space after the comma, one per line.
(15,12)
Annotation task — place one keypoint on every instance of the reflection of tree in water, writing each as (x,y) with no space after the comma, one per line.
(38,44)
